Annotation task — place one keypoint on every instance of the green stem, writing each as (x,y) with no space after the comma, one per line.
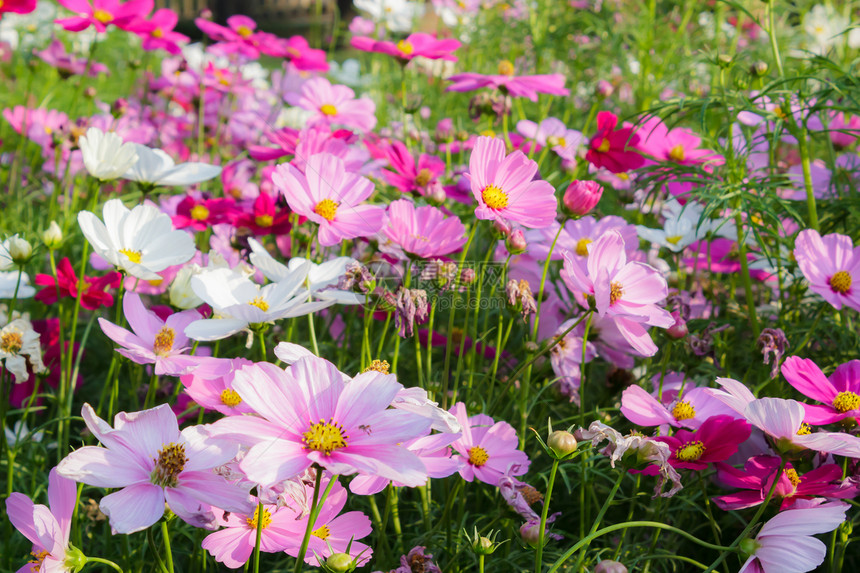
(803,146)
(600,514)
(543,514)
(166,535)
(259,516)
(104,562)
(316,506)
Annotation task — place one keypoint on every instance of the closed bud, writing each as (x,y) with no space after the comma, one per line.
(759,69)
(503,227)
(562,443)
(516,242)
(75,559)
(90,92)
(340,563)
(19,249)
(483,546)
(724,60)
(609,566)
(679,329)
(582,196)
(530,532)
(52,236)
(604,89)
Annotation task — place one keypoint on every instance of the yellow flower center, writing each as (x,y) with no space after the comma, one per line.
(230,397)
(683,411)
(423,178)
(556,141)
(777,111)
(169,464)
(11,342)
(840,282)
(325,437)
(264,522)
(38,556)
(488,133)
(478,456)
(506,68)
(378,366)
(494,197)
(804,429)
(259,303)
(328,109)
(155,282)
(326,209)
(406,47)
(690,452)
(103,16)
(846,401)
(199,213)
(792,476)
(615,292)
(164,341)
(322,532)
(133,256)
(677,153)
(244,31)
(264,220)
(157,33)
(582,246)
(673,240)
(604,145)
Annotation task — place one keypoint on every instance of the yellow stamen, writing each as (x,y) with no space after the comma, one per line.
(259,303)
(164,341)
(690,452)
(582,246)
(325,437)
(615,292)
(230,398)
(604,145)
(265,520)
(157,33)
(405,47)
(683,411)
(264,220)
(506,68)
(169,464)
(840,282)
(327,209)
(494,197)
(478,456)
(244,31)
(328,109)
(322,532)
(133,256)
(12,342)
(792,476)
(673,240)
(103,16)
(423,178)
(199,213)
(378,366)
(804,429)
(155,282)
(677,153)
(846,401)
(39,556)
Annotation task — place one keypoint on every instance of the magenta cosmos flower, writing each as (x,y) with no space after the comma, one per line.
(716,440)
(240,36)
(831,264)
(840,393)
(334,104)
(102,13)
(158,32)
(47,528)
(151,462)
(153,341)
(505,188)
(785,543)
(423,232)
(625,291)
(312,414)
(613,148)
(329,195)
(67,64)
(757,478)
(410,175)
(510,84)
(18,6)
(691,410)
(488,448)
(414,45)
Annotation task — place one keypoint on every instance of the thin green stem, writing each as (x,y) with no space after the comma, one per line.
(166,539)
(543,514)
(259,518)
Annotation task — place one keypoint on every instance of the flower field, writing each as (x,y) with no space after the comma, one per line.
(446,286)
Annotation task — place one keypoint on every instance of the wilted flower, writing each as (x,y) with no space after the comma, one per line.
(411,307)
(520,297)
(772,341)
(19,344)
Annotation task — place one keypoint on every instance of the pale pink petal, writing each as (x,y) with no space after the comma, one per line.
(133,508)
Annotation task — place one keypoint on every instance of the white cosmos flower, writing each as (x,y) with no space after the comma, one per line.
(140,241)
(237,302)
(156,167)
(681,227)
(9,281)
(398,15)
(322,279)
(105,155)
(19,343)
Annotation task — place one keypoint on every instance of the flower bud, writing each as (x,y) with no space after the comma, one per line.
(483,546)
(562,443)
(582,196)
(749,546)
(181,294)
(19,249)
(340,563)
(530,532)
(759,69)
(436,192)
(604,89)
(679,329)
(609,566)
(502,227)
(52,236)
(90,92)
(75,559)
(516,242)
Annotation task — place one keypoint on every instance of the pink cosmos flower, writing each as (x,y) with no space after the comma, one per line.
(297,50)
(757,478)
(409,175)
(265,217)
(240,37)
(151,462)
(153,341)
(18,6)
(844,128)
(102,13)
(48,528)
(840,393)
(690,410)
(831,265)
(785,543)
(613,148)
(505,188)
(578,234)
(211,385)
(66,285)
(509,84)
(310,414)
(679,145)
(488,448)
(330,196)
(552,132)
(158,32)
(423,232)
(414,45)
(285,141)
(67,64)
(234,544)
(716,440)
(625,291)
(199,213)
(334,104)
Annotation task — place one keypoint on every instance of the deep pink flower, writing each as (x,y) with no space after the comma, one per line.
(330,196)
(18,6)
(153,341)
(334,104)
(582,196)
(625,291)
(240,36)
(102,13)
(506,82)
(67,64)
(94,293)
(265,217)
(844,128)
(613,148)
(409,175)
(505,188)
(311,414)
(423,232)
(152,462)
(48,528)
(716,440)
(285,140)
(211,385)
(200,214)
(414,45)
(297,50)
(679,145)
(488,448)
(831,265)
(690,411)
(757,478)
(840,393)
(158,32)
(720,255)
